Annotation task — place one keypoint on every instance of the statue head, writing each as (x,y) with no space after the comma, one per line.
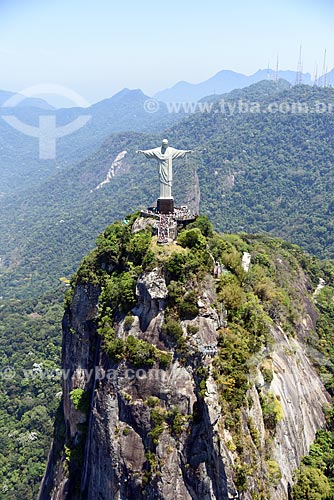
(164,143)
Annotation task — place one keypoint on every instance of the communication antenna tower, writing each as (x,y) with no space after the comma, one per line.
(276,72)
(268,71)
(299,74)
(315,79)
(324,83)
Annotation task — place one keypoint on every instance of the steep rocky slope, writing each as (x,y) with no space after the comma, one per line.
(186,377)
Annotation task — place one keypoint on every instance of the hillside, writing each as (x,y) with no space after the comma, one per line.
(270,172)
(30,348)
(203,387)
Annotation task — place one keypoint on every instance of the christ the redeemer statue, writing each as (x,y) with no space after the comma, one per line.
(165,156)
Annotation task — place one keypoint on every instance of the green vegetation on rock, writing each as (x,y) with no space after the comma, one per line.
(80,399)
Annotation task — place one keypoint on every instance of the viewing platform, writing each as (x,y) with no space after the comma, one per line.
(180,214)
(167,223)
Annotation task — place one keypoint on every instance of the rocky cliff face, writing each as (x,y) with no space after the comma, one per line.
(160,431)
(193,197)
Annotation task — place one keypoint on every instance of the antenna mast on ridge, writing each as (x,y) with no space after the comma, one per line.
(315,79)
(299,74)
(268,71)
(276,73)
(324,81)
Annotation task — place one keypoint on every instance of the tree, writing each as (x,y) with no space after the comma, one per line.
(310,484)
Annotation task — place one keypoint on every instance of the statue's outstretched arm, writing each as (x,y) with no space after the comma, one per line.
(149,153)
(181,153)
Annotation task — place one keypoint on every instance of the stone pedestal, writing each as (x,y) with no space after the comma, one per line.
(165,205)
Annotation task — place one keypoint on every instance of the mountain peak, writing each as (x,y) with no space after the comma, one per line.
(192,368)
(126,96)
(127,93)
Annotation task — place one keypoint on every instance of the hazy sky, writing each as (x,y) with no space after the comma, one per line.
(99,47)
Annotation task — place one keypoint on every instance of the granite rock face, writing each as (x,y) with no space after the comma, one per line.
(158,433)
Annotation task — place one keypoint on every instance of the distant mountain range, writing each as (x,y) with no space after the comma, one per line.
(127,110)
(227,80)
(28,102)
(222,82)
(20,166)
